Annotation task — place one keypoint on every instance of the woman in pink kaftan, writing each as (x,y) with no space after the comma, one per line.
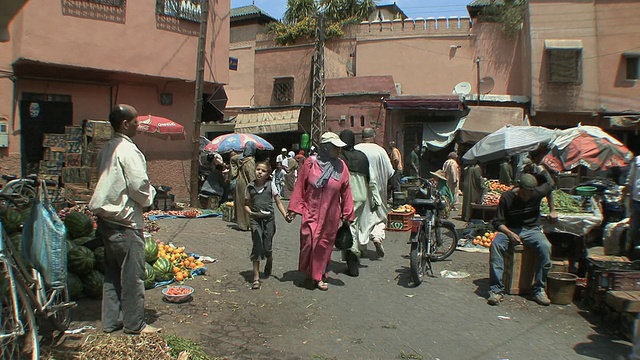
(322,196)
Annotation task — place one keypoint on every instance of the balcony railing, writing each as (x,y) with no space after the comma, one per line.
(188,10)
(109,2)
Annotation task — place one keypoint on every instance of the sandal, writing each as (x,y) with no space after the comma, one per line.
(323,285)
(255,285)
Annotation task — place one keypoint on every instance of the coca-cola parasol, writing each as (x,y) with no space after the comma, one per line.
(160,127)
(236,142)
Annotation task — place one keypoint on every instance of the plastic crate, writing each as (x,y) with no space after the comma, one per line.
(399,221)
(606,273)
(228,213)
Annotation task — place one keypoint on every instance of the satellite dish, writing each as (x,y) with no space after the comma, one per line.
(463,88)
(486,84)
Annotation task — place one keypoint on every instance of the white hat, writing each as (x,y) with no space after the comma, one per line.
(284,150)
(332,138)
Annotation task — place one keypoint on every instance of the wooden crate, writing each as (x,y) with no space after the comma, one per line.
(90,158)
(52,155)
(56,195)
(77,193)
(98,129)
(50,167)
(520,263)
(54,141)
(74,147)
(75,175)
(73,160)
(399,221)
(73,133)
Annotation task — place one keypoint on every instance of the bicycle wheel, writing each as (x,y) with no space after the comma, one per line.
(7,203)
(446,240)
(418,259)
(23,346)
(22,194)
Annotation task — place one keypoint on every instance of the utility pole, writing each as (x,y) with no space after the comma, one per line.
(197,106)
(319,101)
(479,83)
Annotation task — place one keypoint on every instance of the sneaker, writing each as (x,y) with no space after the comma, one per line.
(379,248)
(494,298)
(541,298)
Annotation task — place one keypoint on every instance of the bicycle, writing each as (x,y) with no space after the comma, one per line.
(21,190)
(24,295)
(432,238)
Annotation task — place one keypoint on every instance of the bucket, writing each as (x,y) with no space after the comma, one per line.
(560,287)
(586,190)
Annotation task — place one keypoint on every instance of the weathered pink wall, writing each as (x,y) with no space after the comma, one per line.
(571,21)
(618,31)
(424,62)
(144,60)
(240,88)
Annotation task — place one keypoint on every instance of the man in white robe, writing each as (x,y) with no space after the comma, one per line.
(374,217)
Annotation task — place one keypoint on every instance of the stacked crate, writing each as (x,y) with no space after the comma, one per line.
(79,174)
(50,167)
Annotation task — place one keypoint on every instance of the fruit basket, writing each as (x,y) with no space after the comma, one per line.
(178,293)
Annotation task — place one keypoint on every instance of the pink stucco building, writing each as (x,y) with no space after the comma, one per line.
(72,60)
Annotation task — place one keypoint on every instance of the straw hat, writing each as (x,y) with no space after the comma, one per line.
(440,173)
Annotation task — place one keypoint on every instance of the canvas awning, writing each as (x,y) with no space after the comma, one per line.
(429,102)
(483,120)
(273,121)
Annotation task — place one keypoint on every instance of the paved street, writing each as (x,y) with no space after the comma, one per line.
(378,315)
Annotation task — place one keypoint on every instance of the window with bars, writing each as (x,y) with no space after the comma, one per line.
(188,10)
(565,65)
(283,90)
(633,66)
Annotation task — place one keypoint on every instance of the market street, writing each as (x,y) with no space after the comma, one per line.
(378,315)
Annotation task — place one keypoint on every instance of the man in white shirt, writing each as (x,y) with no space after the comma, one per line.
(122,192)
(282,159)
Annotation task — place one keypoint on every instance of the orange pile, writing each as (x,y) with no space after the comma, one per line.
(486,239)
(182,263)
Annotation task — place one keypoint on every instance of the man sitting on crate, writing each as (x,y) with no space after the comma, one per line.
(518,222)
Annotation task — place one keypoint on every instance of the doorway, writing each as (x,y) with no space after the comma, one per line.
(41,114)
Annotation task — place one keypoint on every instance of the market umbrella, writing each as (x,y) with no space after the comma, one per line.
(160,127)
(508,141)
(588,146)
(235,142)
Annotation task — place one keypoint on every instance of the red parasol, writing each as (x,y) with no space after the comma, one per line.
(588,146)
(160,127)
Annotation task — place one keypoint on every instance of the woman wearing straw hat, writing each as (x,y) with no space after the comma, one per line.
(439,181)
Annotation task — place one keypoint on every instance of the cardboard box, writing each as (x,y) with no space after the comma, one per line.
(51,155)
(73,133)
(98,129)
(519,269)
(73,160)
(74,147)
(54,141)
(75,175)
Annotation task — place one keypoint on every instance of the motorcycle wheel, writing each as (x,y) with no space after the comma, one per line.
(418,259)
(446,240)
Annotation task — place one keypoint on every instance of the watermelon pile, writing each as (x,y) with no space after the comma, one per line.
(84,257)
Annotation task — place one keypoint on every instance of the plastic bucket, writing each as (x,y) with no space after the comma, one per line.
(560,287)
(586,190)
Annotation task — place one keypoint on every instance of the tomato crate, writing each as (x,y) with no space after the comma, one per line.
(399,221)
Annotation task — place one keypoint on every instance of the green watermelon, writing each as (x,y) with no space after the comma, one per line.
(78,224)
(99,255)
(80,260)
(70,245)
(82,240)
(74,285)
(12,220)
(163,269)
(92,284)
(149,276)
(150,250)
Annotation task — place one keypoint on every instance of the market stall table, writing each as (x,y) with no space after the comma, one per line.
(487,212)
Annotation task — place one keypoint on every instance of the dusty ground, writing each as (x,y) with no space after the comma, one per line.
(379,315)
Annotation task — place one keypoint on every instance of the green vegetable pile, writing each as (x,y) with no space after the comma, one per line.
(564,204)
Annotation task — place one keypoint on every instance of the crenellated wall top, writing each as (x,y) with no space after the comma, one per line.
(431,25)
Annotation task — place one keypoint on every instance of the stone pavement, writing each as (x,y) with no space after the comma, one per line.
(378,315)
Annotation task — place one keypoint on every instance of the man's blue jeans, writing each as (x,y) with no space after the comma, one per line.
(532,237)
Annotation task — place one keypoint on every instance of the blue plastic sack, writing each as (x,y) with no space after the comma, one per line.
(44,240)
